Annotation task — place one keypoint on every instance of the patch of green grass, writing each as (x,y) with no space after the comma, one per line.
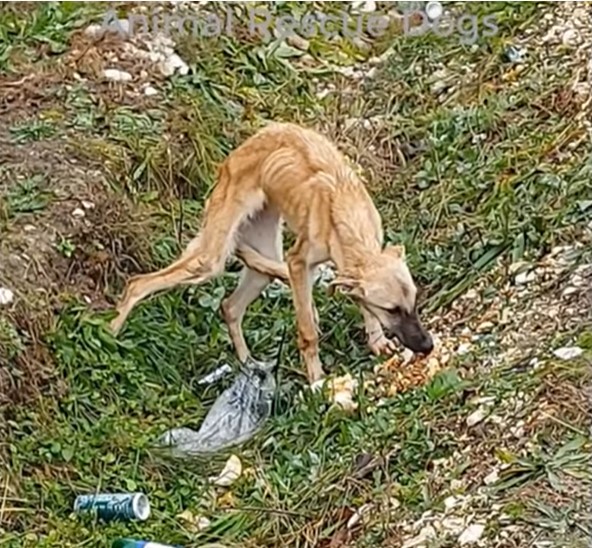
(28,196)
(35,130)
(485,185)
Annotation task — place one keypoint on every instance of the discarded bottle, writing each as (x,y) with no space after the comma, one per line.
(131,543)
(111,506)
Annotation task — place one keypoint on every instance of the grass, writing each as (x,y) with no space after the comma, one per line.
(492,171)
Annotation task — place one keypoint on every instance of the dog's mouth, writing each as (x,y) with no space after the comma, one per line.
(409,331)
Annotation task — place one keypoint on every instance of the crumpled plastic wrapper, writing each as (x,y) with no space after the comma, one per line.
(236,416)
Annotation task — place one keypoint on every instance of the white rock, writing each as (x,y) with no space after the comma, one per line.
(94,31)
(471,534)
(364,5)
(78,213)
(427,533)
(87,205)
(150,91)
(174,63)
(476,417)
(29,228)
(524,278)
(568,352)
(570,37)
(450,502)
(116,75)
(453,525)
(490,478)
(6,296)
(463,348)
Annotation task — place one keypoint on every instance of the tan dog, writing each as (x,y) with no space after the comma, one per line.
(292,174)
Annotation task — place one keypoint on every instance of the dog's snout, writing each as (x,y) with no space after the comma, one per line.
(426,345)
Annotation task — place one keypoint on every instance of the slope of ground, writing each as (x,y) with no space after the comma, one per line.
(478,156)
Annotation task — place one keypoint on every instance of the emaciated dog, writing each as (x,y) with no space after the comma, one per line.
(289,174)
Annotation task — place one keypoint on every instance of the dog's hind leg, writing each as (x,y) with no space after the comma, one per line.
(205,256)
(264,238)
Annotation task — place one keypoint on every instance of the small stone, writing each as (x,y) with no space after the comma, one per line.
(485,327)
(568,352)
(471,534)
(29,228)
(87,205)
(463,348)
(298,42)
(450,502)
(6,296)
(150,91)
(490,478)
(116,75)
(476,417)
(173,64)
(364,6)
(569,291)
(78,213)
(524,278)
(570,38)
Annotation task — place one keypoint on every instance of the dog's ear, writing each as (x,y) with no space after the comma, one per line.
(347,286)
(397,251)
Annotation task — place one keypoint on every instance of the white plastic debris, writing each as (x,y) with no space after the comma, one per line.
(471,534)
(434,10)
(215,375)
(236,416)
(116,75)
(6,296)
(231,472)
(568,352)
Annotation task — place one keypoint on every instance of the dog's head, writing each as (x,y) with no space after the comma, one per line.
(385,288)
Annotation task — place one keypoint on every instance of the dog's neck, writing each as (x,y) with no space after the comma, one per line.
(357,231)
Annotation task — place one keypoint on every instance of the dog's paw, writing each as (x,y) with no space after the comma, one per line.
(382,346)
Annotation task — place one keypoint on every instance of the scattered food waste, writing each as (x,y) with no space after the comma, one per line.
(115,506)
(340,391)
(194,522)
(231,472)
(406,371)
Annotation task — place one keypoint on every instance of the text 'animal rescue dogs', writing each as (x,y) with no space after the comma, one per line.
(287,173)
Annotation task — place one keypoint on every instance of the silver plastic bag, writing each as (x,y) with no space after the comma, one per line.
(237,414)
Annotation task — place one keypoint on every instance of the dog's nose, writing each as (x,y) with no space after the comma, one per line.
(427,345)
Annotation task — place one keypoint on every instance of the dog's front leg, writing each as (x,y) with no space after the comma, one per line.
(301,281)
(377,341)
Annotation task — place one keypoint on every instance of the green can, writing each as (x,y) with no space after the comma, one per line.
(115,506)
